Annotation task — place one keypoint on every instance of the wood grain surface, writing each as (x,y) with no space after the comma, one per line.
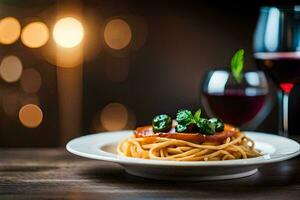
(56,174)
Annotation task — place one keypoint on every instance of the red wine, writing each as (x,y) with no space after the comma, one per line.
(283,68)
(236,107)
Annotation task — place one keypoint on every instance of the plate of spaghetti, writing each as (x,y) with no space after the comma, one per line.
(188,147)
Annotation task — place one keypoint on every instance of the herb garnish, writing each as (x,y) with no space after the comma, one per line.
(237,65)
(187,123)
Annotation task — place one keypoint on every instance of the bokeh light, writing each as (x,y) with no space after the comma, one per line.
(68,32)
(31,80)
(97,125)
(35,34)
(114,116)
(11,69)
(117,34)
(10,29)
(31,116)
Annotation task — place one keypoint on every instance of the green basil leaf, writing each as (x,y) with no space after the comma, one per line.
(237,65)
(197,115)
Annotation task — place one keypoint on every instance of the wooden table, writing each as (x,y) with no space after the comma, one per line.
(56,174)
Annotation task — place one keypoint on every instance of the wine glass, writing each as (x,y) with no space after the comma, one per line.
(277,52)
(237,103)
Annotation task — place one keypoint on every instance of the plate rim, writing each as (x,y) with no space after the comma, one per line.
(122,160)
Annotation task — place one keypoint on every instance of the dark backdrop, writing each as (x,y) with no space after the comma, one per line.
(180,40)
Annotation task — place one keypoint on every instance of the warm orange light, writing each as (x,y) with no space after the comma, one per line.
(114,116)
(31,80)
(68,32)
(35,34)
(11,69)
(10,29)
(117,34)
(31,115)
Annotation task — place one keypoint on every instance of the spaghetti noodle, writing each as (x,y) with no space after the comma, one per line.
(238,146)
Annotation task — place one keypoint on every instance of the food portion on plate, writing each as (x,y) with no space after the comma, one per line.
(188,138)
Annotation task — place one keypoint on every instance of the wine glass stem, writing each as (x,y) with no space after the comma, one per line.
(284,113)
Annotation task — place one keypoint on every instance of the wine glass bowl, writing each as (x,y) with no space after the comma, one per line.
(235,102)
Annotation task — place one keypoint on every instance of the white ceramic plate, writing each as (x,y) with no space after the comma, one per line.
(102,146)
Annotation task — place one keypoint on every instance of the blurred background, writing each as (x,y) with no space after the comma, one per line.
(120,63)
